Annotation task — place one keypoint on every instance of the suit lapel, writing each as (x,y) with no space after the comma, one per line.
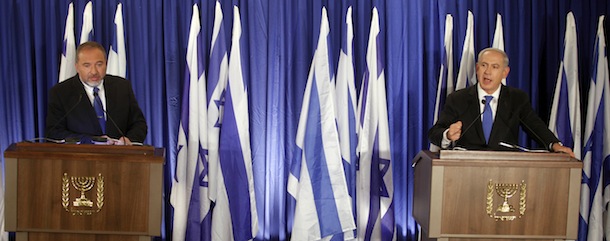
(111,92)
(85,108)
(473,100)
(108,87)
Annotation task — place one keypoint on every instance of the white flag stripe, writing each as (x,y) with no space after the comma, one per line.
(87,28)
(498,41)
(467,74)
(448,48)
(346,91)
(68,57)
(117,59)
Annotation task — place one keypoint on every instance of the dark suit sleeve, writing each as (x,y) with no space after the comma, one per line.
(136,123)
(60,104)
(535,127)
(123,110)
(55,126)
(450,114)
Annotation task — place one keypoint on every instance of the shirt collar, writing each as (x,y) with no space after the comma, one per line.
(482,93)
(89,89)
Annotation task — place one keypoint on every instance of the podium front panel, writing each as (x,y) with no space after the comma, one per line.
(496,195)
(471,201)
(85,190)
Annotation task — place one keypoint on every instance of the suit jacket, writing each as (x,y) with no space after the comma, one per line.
(514,109)
(71,115)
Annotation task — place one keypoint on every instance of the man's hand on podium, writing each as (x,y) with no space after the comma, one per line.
(123,141)
(558,147)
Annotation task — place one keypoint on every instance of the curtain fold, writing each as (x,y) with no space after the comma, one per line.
(280,41)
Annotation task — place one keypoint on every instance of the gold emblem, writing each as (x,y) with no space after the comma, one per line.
(82,205)
(505,211)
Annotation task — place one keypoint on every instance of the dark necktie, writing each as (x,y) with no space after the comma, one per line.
(99,109)
(488,118)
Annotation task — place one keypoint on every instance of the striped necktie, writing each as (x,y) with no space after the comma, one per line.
(99,109)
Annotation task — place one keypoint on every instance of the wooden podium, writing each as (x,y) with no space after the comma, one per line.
(484,195)
(83,192)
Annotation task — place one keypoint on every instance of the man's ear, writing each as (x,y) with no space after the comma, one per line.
(506,70)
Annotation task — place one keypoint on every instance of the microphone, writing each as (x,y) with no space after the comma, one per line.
(80,98)
(483,101)
(45,139)
(513,146)
(111,120)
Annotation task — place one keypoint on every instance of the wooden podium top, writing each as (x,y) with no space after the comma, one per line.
(499,159)
(85,151)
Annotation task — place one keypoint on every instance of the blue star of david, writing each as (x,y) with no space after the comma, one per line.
(220,103)
(203,155)
(384,165)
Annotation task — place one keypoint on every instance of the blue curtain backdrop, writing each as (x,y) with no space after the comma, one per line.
(281,39)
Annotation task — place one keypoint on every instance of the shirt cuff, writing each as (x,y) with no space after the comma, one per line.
(445,142)
(552,143)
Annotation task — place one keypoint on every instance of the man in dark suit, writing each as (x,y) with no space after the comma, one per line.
(462,121)
(72,111)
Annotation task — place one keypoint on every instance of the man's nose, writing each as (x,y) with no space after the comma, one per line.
(487,70)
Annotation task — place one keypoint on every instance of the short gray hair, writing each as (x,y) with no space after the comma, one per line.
(497,50)
(90,45)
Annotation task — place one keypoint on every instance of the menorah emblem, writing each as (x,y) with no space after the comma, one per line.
(83,184)
(506,191)
(82,205)
(505,211)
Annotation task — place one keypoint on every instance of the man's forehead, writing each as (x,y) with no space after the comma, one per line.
(491,59)
(91,56)
(483,61)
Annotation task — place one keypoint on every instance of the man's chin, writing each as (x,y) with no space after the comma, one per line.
(93,83)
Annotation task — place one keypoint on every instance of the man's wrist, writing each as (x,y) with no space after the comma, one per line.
(553,144)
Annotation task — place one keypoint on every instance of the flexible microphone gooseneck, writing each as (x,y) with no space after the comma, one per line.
(110,118)
(530,131)
(546,145)
(517,147)
(471,124)
(80,98)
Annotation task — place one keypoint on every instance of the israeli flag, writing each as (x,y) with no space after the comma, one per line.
(235,216)
(117,60)
(445,78)
(68,55)
(317,178)
(375,188)
(467,74)
(217,82)
(86,33)
(595,190)
(346,106)
(565,110)
(189,194)
(498,41)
